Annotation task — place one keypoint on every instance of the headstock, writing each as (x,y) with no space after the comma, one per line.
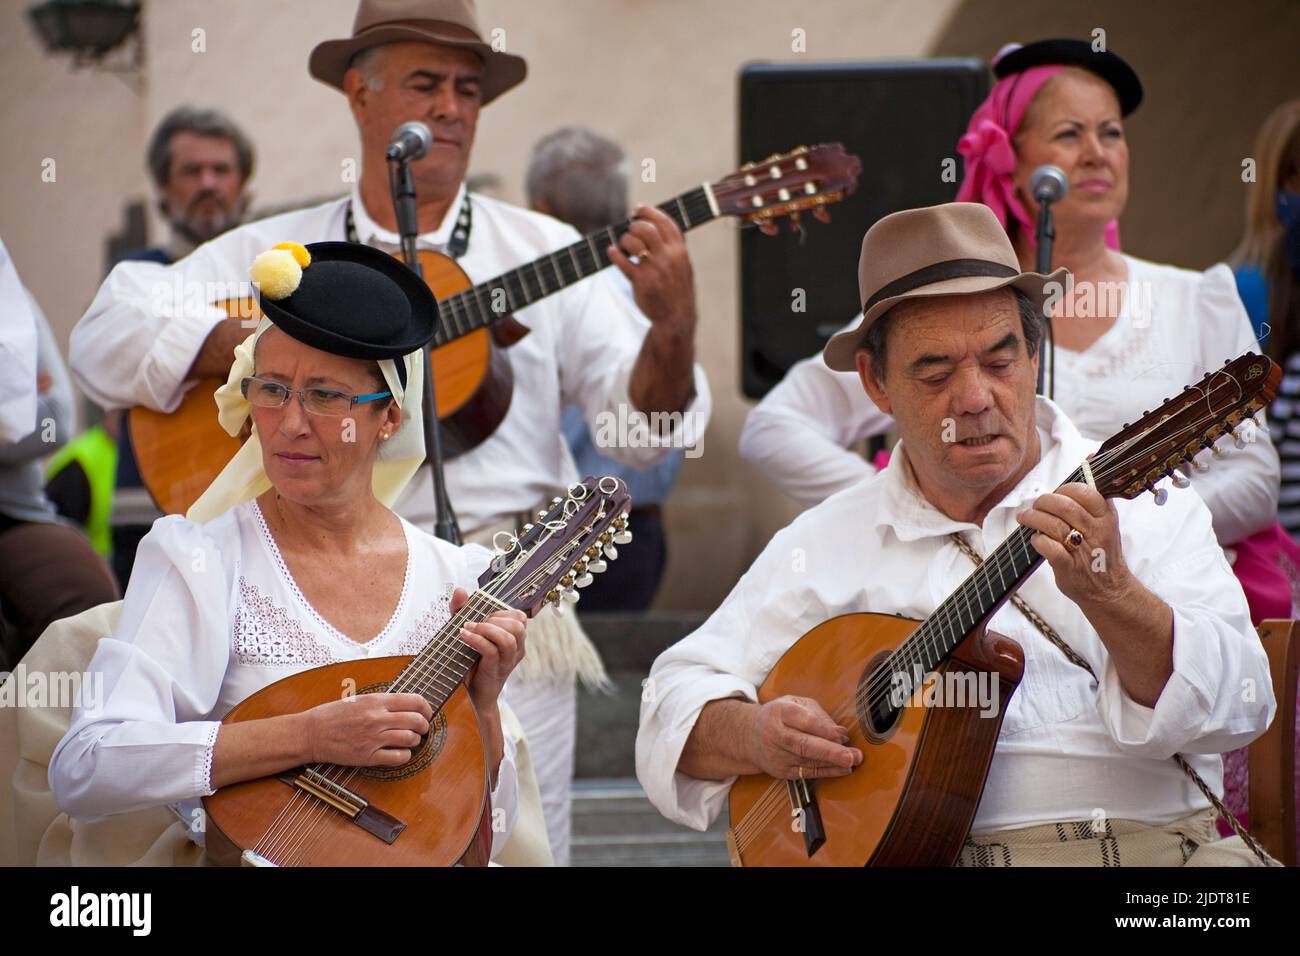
(787,183)
(558,553)
(1150,449)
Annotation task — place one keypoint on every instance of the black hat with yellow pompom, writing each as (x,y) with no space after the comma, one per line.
(345,298)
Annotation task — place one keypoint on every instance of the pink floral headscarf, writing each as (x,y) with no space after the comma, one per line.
(990,157)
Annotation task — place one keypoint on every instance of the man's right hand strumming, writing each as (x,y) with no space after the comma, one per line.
(777,738)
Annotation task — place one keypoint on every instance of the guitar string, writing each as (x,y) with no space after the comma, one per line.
(1108,462)
(449,645)
(769,803)
(312,838)
(307,802)
(282,833)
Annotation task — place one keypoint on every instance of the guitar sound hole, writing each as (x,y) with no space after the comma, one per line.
(877,717)
(425,753)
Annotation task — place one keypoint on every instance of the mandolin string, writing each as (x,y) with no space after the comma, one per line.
(306,802)
(302,800)
(1107,464)
(292,833)
(289,823)
(449,639)
(450,642)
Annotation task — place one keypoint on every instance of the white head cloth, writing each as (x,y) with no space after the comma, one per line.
(244,477)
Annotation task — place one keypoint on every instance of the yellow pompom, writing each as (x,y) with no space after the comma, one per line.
(300,253)
(276,273)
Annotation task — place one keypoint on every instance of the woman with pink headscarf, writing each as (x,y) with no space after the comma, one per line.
(1129,333)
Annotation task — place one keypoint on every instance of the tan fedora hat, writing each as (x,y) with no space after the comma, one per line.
(958,248)
(447,22)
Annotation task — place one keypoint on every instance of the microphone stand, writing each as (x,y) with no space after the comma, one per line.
(1044,235)
(403,190)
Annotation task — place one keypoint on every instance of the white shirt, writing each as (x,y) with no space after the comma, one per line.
(1066,747)
(211,617)
(17,355)
(142,333)
(1183,325)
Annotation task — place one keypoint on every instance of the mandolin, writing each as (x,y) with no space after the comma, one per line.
(912,799)
(181,452)
(435,809)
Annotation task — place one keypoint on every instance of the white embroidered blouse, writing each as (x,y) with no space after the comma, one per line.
(212,616)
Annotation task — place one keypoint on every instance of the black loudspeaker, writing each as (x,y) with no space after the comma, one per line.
(903,119)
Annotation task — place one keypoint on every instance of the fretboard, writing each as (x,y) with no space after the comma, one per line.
(480,306)
(975,600)
(442,665)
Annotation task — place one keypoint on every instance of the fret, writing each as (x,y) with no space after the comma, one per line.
(577,267)
(681,208)
(595,258)
(537,271)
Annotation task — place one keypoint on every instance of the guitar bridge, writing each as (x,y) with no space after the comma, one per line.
(806,813)
(352,805)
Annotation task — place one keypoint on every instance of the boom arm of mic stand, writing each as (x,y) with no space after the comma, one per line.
(403,190)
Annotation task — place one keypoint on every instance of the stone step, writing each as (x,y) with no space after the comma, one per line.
(615,825)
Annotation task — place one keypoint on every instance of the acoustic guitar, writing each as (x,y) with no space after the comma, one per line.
(435,809)
(180,453)
(912,799)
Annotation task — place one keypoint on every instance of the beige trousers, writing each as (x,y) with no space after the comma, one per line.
(1191,841)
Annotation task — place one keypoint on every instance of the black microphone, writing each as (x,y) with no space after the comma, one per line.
(411,141)
(1048,184)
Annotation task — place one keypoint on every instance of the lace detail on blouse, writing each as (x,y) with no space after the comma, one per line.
(266,636)
(429,623)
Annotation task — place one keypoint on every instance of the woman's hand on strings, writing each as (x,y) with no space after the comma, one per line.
(367,730)
(499,641)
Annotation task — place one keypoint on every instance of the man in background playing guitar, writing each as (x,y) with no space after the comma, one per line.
(142,344)
(1081,775)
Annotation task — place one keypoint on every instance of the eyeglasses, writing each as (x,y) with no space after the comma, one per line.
(318,401)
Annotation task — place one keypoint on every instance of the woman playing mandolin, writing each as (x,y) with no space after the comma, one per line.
(291,560)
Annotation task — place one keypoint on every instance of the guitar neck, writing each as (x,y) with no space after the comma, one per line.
(478,307)
(977,599)
(444,663)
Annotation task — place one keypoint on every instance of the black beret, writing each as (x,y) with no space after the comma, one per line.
(1064,52)
(358,302)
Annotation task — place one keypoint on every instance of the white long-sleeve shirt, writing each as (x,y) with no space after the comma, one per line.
(148,322)
(1066,746)
(212,616)
(17,355)
(1173,327)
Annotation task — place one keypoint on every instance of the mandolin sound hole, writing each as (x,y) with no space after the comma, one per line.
(426,752)
(877,717)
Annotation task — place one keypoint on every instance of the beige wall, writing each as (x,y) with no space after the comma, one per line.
(659,77)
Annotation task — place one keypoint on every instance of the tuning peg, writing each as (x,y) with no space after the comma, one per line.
(541,516)
(1161,495)
(822,214)
(611,552)
(597,565)
(553,597)
(1198,465)
(623,537)
(1180,480)
(768,228)
(582,580)
(1216,451)
(527,528)
(570,595)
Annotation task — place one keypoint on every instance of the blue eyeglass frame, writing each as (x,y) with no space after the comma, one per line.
(353,400)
